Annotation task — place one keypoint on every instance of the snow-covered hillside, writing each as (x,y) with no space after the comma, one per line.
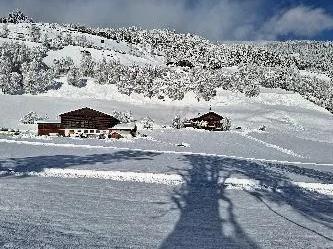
(156,64)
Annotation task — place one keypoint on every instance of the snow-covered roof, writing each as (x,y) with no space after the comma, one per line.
(124,126)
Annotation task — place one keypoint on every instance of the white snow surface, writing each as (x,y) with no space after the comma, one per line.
(165,179)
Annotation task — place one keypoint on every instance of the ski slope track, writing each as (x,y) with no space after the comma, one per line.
(269,145)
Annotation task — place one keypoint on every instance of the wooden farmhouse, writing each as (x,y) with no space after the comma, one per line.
(82,122)
(209,121)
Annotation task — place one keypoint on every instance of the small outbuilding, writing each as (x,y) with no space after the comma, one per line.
(123,130)
(47,127)
(209,121)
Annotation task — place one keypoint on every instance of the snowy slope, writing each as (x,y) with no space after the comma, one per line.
(297,130)
(109,49)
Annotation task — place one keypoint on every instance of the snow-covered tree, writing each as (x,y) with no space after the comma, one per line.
(87,65)
(36,77)
(35,33)
(101,72)
(57,42)
(4,31)
(63,65)
(252,90)
(74,78)
(147,123)
(32,117)
(17,16)
(67,39)
(15,84)
(46,41)
(123,117)
(82,41)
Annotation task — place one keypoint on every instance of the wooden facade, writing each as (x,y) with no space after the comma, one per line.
(47,128)
(87,118)
(209,121)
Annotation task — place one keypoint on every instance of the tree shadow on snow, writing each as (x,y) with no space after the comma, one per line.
(39,163)
(200,224)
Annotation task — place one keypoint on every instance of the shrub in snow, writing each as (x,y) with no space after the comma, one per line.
(82,41)
(262,128)
(74,78)
(67,39)
(63,65)
(57,42)
(147,123)
(252,90)
(31,118)
(177,123)
(225,124)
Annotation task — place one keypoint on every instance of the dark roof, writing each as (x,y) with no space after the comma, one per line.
(208,115)
(85,112)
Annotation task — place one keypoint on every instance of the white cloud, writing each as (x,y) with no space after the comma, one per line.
(300,21)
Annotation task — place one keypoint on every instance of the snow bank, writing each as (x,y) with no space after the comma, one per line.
(168,179)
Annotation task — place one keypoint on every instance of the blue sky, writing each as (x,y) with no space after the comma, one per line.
(214,19)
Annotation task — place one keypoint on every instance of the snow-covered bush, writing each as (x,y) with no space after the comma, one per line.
(252,90)
(57,42)
(147,123)
(177,123)
(63,65)
(226,124)
(32,117)
(74,78)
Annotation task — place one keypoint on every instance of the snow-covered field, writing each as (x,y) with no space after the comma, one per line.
(296,130)
(234,189)
(105,198)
